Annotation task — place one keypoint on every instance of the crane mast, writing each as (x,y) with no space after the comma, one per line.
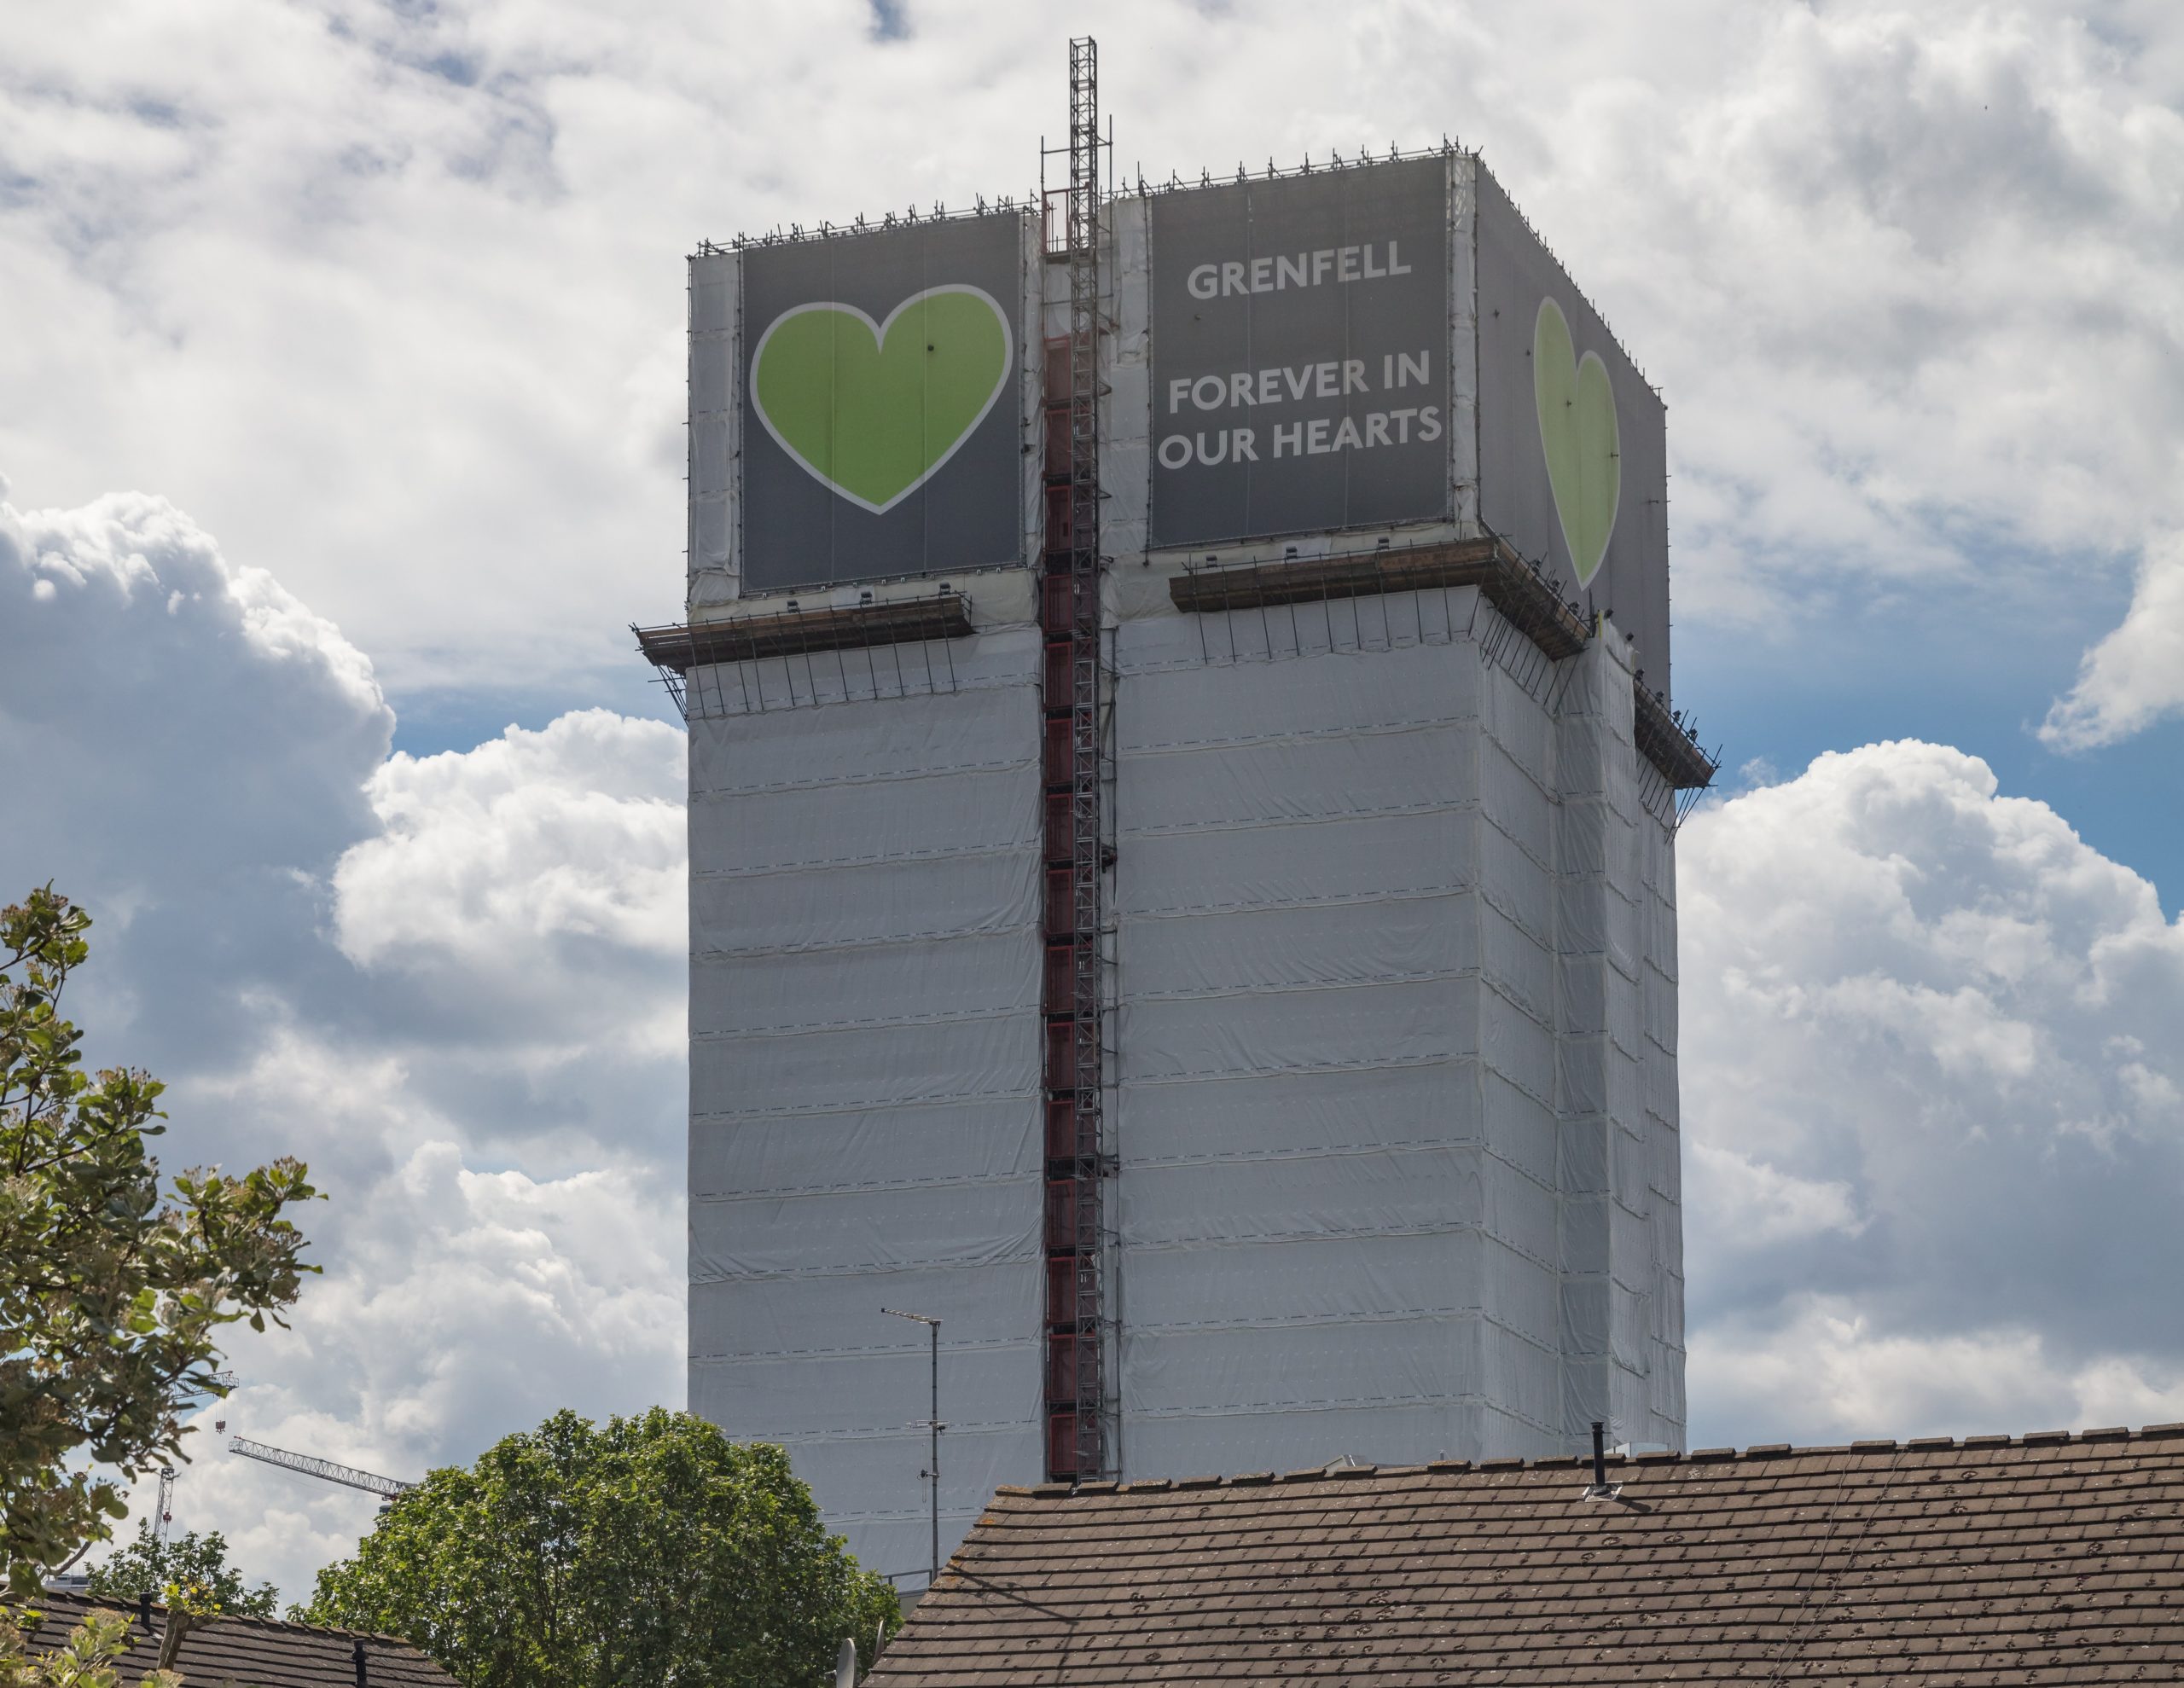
(163,1515)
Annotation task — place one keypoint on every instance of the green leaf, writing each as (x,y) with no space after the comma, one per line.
(652,1550)
(94,1371)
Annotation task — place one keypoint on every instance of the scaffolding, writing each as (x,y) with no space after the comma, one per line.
(1528,630)
(808,654)
(1078,1446)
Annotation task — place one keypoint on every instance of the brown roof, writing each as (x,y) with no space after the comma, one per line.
(248,1652)
(2048,1559)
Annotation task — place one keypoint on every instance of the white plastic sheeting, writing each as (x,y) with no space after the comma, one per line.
(865,1124)
(1388,1185)
(1614,938)
(716,420)
(1393,1058)
(1126,366)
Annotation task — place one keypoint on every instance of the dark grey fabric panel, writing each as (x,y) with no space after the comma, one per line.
(1300,337)
(1516,499)
(796,530)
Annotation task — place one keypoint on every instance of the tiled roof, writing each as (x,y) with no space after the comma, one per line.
(1989,1562)
(250,1652)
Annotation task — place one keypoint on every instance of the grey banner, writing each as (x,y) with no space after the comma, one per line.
(1300,339)
(866,456)
(1603,528)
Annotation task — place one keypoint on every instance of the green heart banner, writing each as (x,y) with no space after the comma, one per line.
(1577,432)
(872,410)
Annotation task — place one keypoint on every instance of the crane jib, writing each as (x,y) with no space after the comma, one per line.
(370,1481)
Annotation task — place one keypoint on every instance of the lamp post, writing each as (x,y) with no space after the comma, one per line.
(932,1331)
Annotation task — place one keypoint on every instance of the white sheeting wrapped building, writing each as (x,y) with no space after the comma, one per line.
(1389,1163)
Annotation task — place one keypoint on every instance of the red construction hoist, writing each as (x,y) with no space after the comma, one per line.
(1078,1443)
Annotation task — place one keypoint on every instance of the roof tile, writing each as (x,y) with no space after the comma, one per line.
(1930,1565)
(258,1652)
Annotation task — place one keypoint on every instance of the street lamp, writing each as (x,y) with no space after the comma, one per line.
(932,1329)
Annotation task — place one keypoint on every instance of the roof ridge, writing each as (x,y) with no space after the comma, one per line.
(1335,1471)
(312,1628)
(130,1609)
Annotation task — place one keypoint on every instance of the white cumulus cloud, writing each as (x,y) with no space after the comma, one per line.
(1853,1379)
(1932,1103)
(503,877)
(406,280)
(451,985)
(2135,676)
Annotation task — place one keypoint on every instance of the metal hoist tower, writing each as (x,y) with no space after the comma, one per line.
(1079,1443)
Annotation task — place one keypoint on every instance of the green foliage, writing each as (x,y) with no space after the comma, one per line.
(194,1566)
(83,1661)
(654,1552)
(112,1289)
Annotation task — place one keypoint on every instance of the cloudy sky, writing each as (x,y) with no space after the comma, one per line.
(341,431)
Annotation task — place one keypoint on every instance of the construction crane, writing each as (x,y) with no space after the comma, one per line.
(164,1514)
(370,1481)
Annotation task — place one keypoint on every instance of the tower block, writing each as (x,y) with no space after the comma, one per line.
(1183,795)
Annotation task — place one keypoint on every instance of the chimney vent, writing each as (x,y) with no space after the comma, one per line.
(1599,1488)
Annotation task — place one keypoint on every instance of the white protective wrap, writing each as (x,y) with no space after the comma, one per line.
(1394,958)
(715,352)
(865,1081)
(1393,1035)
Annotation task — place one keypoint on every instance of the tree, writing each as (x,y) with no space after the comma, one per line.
(81,1662)
(194,1562)
(651,1552)
(113,1285)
